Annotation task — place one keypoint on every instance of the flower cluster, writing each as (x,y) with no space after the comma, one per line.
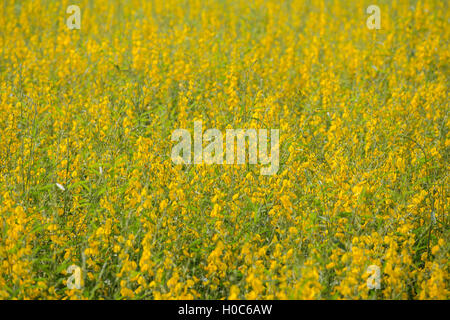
(86,176)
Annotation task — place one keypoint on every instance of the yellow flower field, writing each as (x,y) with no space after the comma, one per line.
(87,179)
